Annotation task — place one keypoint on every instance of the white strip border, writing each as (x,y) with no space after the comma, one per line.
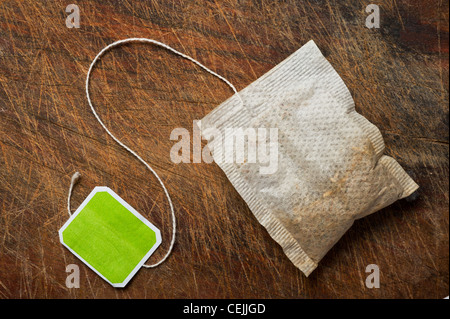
(99,189)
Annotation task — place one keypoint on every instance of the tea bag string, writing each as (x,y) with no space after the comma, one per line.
(77,175)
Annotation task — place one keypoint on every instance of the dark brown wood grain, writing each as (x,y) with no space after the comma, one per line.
(398,76)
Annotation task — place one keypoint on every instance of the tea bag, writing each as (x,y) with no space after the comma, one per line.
(330,166)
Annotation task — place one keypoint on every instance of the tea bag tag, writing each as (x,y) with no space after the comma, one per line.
(110,236)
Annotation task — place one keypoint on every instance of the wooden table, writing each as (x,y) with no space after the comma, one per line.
(398,76)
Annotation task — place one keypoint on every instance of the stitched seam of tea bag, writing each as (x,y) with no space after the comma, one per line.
(407,183)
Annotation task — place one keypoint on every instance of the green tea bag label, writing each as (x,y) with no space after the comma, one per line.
(110,236)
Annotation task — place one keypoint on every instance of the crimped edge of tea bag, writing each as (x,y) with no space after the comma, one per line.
(397,171)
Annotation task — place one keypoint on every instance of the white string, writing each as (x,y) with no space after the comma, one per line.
(76,176)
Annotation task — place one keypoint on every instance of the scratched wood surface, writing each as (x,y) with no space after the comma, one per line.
(398,76)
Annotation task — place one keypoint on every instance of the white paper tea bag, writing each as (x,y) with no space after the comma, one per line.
(330,166)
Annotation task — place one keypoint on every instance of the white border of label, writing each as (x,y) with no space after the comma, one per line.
(99,189)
